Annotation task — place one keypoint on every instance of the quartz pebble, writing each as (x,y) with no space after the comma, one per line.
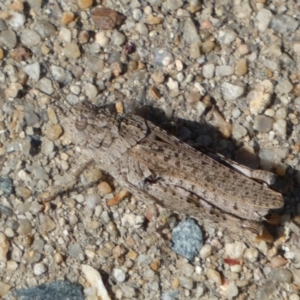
(260,97)
(235,250)
(163,57)
(205,251)
(231,91)
(95,280)
(39,269)
(224,71)
(119,275)
(208,71)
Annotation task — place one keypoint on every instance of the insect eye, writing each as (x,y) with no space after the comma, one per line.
(81,122)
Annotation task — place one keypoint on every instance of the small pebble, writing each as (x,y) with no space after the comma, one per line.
(54,132)
(67,17)
(104,188)
(119,275)
(83,4)
(4,247)
(281,275)
(39,269)
(214,276)
(205,251)
(224,71)
(71,50)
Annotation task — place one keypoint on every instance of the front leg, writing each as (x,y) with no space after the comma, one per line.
(54,191)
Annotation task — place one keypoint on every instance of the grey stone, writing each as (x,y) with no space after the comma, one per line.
(281,275)
(33,71)
(29,38)
(61,75)
(238,131)
(162,57)
(263,18)
(226,36)
(190,34)
(283,23)
(44,28)
(75,250)
(45,85)
(283,87)
(8,39)
(94,64)
(263,123)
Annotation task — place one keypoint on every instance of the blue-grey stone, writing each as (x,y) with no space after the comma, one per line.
(56,290)
(187,239)
(6,185)
(6,210)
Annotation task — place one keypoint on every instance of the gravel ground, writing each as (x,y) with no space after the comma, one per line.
(223,74)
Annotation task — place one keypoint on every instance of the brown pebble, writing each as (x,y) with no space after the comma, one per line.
(4,289)
(241,67)
(154,20)
(23,192)
(193,97)
(151,213)
(58,258)
(215,119)
(83,36)
(119,107)
(1,53)
(132,255)
(20,54)
(106,18)
(175,283)
(154,92)
(116,68)
(158,77)
(278,261)
(155,264)
(104,188)
(92,175)
(67,17)
(54,132)
(17,6)
(208,46)
(83,4)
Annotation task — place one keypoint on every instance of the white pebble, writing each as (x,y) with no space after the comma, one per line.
(205,251)
(39,269)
